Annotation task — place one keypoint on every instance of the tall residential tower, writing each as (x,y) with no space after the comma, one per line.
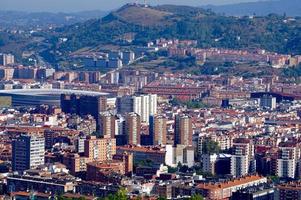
(28,152)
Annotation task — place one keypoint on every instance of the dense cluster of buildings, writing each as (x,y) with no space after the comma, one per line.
(88,134)
(110,60)
(230,55)
(260,56)
(21,72)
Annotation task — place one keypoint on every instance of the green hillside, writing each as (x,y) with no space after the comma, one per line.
(272,32)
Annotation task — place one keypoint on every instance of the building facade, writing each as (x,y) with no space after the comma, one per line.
(132,128)
(28,152)
(183,130)
(157,129)
(287,161)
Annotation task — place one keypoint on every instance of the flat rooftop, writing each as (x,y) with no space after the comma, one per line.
(42,92)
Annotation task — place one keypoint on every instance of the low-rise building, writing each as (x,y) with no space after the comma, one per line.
(59,183)
(288,191)
(224,190)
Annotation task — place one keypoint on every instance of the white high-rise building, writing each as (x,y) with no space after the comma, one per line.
(145,108)
(179,154)
(129,104)
(208,162)
(239,165)
(153,101)
(119,125)
(143,105)
(28,152)
(148,106)
(242,156)
(287,161)
(137,101)
(268,101)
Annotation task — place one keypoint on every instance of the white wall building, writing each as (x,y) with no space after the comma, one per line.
(208,163)
(287,162)
(179,154)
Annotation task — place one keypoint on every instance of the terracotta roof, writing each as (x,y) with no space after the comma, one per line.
(141,149)
(27,194)
(228,184)
(69,195)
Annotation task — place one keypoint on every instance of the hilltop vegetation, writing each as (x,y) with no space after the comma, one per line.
(13,43)
(143,16)
(276,33)
(272,32)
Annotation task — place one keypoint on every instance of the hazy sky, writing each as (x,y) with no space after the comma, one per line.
(79,5)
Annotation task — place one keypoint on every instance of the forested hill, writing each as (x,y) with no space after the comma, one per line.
(272,32)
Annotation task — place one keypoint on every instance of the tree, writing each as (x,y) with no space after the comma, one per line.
(195,104)
(197,197)
(176,102)
(274,179)
(184,169)
(172,169)
(210,147)
(292,71)
(65,198)
(120,195)
(179,166)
